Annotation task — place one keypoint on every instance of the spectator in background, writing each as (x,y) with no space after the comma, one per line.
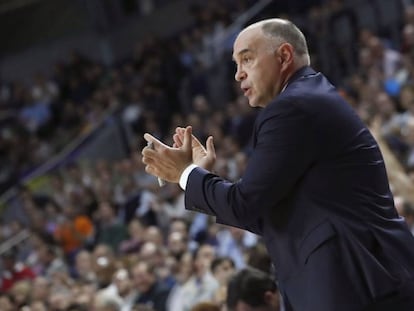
(258,257)
(234,243)
(110,230)
(38,306)
(385,59)
(52,262)
(44,90)
(142,307)
(408,139)
(13,270)
(104,304)
(407,211)
(154,254)
(20,291)
(136,231)
(83,269)
(6,302)
(177,244)
(183,271)
(253,290)
(205,306)
(343,33)
(126,293)
(40,289)
(150,291)
(74,231)
(202,285)
(84,294)
(104,261)
(222,269)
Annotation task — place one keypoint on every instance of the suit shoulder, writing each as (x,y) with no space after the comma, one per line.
(312,94)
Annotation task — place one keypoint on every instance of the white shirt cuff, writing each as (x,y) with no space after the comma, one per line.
(185,174)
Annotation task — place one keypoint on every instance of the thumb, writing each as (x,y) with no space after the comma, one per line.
(187,138)
(211,150)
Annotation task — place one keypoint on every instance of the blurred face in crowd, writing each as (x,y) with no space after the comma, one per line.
(408,132)
(224,271)
(21,292)
(154,235)
(85,295)
(179,226)
(83,262)
(384,105)
(38,306)
(40,289)
(142,278)
(407,98)
(150,252)
(176,243)
(106,212)
(204,258)
(5,303)
(102,250)
(136,229)
(185,268)
(122,282)
(237,233)
(261,69)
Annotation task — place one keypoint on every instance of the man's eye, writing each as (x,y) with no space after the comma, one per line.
(246,60)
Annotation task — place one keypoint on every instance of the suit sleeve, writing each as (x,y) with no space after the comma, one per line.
(283,152)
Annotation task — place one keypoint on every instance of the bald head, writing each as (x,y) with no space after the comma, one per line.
(267,54)
(279,31)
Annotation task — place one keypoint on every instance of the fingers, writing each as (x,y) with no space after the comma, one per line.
(150,153)
(151,139)
(150,170)
(211,150)
(178,138)
(154,167)
(187,138)
(178,142)
(195,142)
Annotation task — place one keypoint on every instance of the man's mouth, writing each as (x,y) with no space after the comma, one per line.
(246,91)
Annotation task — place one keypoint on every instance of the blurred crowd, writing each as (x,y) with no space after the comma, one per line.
(103,235)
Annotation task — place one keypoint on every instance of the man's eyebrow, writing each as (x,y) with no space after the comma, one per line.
(242,52)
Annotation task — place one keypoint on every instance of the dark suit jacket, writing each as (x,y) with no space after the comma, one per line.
(156,297)
(316,189)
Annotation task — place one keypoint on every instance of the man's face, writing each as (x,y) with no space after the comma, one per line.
(258,67)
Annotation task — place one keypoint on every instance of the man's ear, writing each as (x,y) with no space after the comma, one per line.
(286,52)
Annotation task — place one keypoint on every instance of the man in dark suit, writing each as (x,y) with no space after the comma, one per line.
(315,186)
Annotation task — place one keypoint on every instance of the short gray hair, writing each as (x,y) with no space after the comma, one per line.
(282,30)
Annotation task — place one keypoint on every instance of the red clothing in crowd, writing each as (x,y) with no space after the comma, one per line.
(19,272)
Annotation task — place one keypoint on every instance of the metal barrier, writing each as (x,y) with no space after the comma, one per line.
(14,240)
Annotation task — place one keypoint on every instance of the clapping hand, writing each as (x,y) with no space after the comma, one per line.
(203,157)
(167,162)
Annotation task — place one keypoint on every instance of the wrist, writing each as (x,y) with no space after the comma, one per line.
(185,174)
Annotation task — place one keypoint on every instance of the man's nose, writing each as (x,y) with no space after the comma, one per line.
(240,75)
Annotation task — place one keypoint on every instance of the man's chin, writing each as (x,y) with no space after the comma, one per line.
(254,103)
